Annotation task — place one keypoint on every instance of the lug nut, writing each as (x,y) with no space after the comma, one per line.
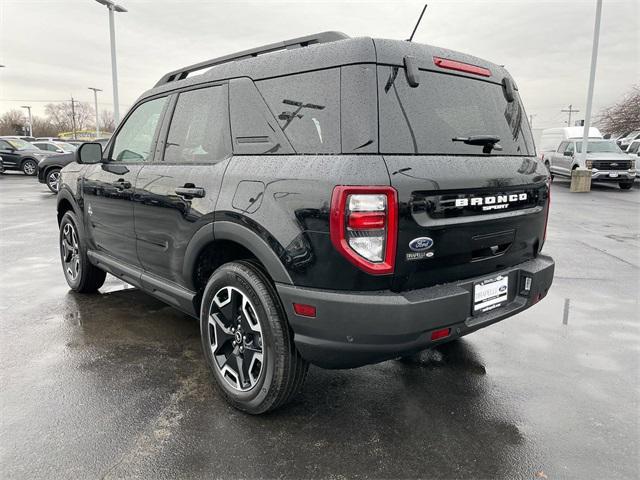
(233,330)
(241,348)
(244,337)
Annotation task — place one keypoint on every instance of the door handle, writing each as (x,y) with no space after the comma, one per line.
(121,184)
(190,192)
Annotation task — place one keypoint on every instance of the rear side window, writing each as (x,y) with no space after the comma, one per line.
(199,130)
(307,107)
(425,119)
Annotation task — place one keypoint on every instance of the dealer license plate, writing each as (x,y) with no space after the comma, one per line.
(489,294)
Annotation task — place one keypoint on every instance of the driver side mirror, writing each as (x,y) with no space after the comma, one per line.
(89,153)
(568,154)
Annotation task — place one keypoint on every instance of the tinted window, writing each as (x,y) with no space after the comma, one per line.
(199,130)
(134,140)
(307,107)
(634,147)
(425,119)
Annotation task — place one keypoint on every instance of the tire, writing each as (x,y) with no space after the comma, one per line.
(52,179)
(29,167)
(240,292)
(81,275)
(625,185)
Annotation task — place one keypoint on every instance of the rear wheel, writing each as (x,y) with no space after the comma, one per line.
(625,185)
(29,167)
(81,275)
(247,341)
(53,179)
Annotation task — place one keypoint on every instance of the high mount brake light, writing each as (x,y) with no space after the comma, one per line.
(461,66)
(364,226)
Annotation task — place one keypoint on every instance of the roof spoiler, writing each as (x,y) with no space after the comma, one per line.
(182,73)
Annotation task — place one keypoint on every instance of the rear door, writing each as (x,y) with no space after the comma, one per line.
(108,187)
(462,212)
(176,195)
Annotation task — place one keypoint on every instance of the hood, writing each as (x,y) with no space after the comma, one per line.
(608,156)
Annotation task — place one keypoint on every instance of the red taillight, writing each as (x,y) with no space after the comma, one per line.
(461,66)
(304,310)
(442,333)
(364,225)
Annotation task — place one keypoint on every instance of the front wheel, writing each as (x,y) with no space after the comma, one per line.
(247,341)
(625,185)
(29,167)
(81,275)
(53,179)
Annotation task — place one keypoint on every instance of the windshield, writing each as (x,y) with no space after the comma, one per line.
(20,144)
(425,119)
(599,147)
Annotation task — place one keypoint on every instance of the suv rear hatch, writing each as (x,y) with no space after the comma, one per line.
(465,209)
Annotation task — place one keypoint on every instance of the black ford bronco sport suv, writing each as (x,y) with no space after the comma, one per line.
(322,200)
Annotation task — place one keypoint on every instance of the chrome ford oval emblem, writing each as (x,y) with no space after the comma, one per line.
(421,244)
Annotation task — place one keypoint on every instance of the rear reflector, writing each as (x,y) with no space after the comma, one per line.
(366,221)
(304,310)
(438,334)
(461,66)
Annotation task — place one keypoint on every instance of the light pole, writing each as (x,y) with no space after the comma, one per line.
(592,79)
(28,107)
(95,99)
(113,7)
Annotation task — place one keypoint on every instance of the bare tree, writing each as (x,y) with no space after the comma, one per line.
(107,122)
(624,116)
(61,115)
(43,128)
(12,123)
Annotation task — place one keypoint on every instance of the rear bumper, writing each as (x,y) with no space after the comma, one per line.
(359,328)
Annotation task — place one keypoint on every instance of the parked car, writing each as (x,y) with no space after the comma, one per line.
(20,155)
(626,141)
(604,158)
(49,170)
(49,139)
(634,148)
(56,147)
(20,137)
(334,201)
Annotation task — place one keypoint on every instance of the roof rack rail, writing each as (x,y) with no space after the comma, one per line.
(323,37)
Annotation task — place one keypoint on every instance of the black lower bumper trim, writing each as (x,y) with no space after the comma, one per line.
(352,329)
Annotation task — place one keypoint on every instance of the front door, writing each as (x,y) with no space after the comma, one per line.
(10,158)
(109,187)
(177,193)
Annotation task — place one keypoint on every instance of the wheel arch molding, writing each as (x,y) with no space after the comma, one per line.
(65,200)
(241,235)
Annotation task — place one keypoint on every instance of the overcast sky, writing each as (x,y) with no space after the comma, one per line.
(53,49)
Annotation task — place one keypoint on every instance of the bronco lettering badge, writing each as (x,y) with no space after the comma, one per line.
(493,202)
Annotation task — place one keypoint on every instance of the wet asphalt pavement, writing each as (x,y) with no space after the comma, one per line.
(115,385)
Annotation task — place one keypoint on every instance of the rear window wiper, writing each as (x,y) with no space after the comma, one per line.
(488,142)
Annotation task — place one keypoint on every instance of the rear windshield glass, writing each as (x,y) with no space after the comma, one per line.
(424,119)
(599,147)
